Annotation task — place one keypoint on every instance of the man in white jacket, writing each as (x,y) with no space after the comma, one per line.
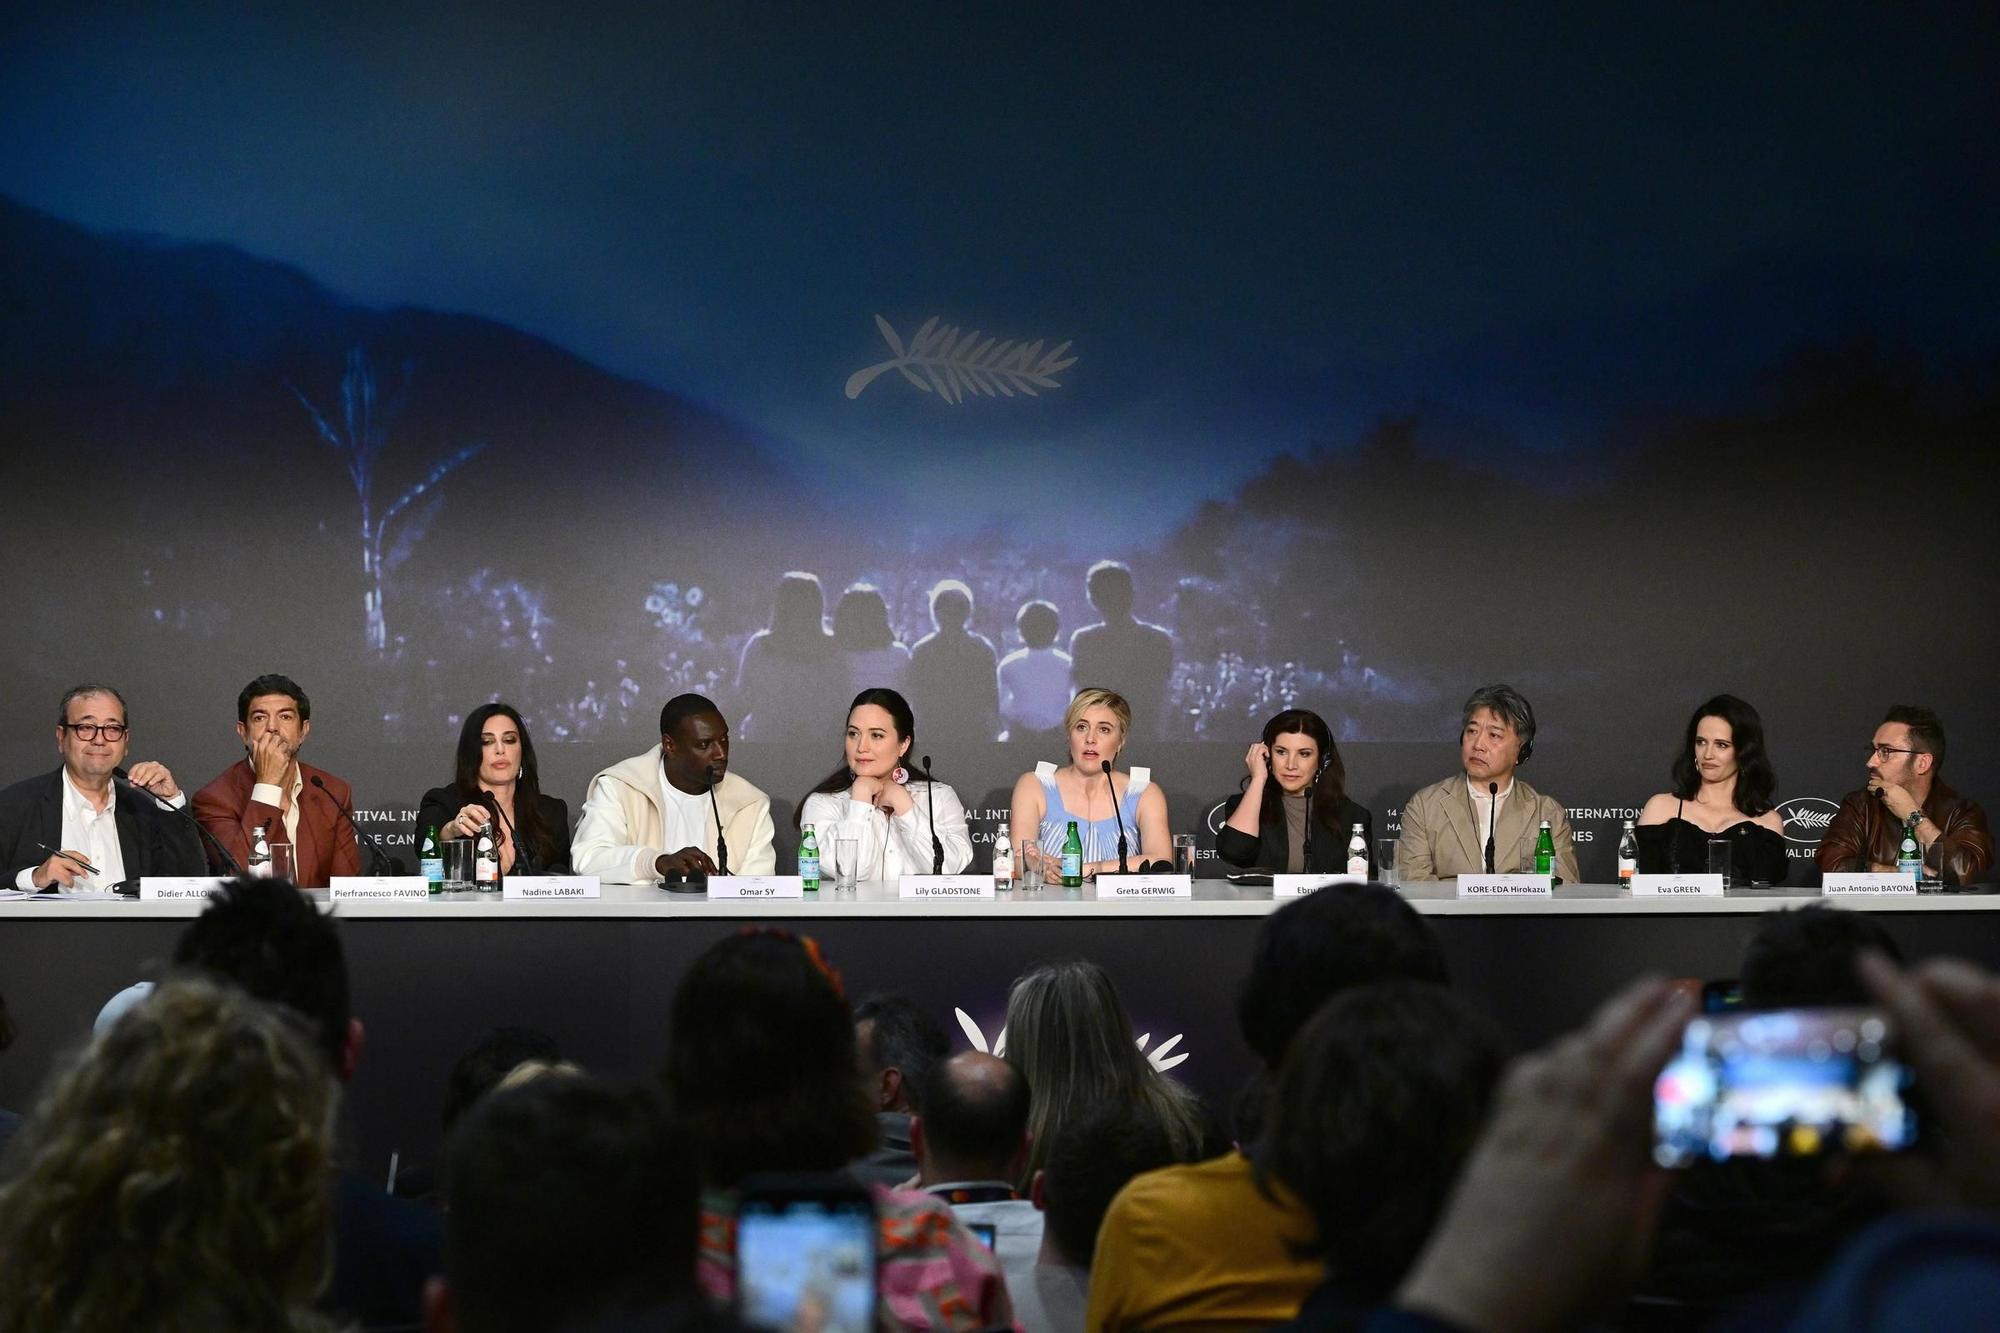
(655,814)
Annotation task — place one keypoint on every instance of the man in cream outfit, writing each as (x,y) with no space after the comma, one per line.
(1445,826)
(651,815)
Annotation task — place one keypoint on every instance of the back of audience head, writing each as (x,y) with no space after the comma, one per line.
(1806,957)
(173,1174)
(1068,1034)
(1379,1102)
(1092,1158)
(1345,935)
(761,1061)
(900,1042)
(496,1055)
(266,937)
(572,1203)
(974,1124)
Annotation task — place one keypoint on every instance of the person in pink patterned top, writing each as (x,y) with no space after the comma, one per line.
(765,1077)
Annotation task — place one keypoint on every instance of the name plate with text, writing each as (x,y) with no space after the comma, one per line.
(177,888)
(1298,886)
(1676,886)
(378,889)
(1838,883)
(1506,886)
(756,886)
(536,888)
(1122,887)
(945,886)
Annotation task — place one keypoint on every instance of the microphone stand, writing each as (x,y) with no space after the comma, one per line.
(1118,814)
(377,857)
(1306,842)
(185,812)
(1492,821)
(930,801)
(721,843)
(524,861)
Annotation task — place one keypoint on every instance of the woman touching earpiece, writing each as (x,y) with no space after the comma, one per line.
(1294,816)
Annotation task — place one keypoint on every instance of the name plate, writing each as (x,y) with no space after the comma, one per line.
(1676,886)
(1506,886)
(1298,886)
(1121,887)
(945,886)
(756,886)
(534,888)
(177,888)
(379,888)
(1847,883)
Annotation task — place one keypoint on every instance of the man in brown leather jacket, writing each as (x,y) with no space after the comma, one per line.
(1903,778)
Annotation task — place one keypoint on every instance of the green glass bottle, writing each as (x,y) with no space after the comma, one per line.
(1072,858)
(809,859)
(430,858)
(1545,851)
(1910,856)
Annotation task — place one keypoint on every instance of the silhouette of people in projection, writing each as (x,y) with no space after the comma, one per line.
(861,630)
(952,683)
(782,684)
(1122,652)
(1034,680)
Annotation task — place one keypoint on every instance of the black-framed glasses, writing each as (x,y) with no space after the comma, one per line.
(1883,752)
(90,731)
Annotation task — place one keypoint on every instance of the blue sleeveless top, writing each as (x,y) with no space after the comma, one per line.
(1100,836)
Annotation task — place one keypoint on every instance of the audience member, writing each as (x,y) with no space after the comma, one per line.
(1068,1035)
(971,1142)
(1122,650)
(273,789)
(1378,1104)
(173,1175)
(492,1058)
(899,1043)
(1090,1161)
(1205,1244)
(572,1200)
(1034,678)
(765,1077)
(9,1120)
(952,680)
(1809,956)
(266,937)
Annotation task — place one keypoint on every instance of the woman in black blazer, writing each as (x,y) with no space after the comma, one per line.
(1294,816)
(497,775)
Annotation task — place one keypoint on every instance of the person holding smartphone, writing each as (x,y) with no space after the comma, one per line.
(1294,815)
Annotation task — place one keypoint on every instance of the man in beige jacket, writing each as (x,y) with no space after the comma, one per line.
(654,815)
(1446,826)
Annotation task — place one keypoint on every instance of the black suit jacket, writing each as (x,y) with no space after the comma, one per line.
(441,805)
(152,841)
(1268,850)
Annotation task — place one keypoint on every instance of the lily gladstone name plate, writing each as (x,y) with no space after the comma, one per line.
(1838,883)
(755,886)
(177,888)
(1676,886)
(945,886)
(540,888)
(1506,886)
(378,889)
(1125,888)
(1298,886)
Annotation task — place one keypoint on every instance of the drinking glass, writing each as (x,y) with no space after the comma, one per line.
(846,862)
(1385,861)
(1029,861)
(1931,877)
(458,865)
(1718,859)
(283,865)
(1183,853)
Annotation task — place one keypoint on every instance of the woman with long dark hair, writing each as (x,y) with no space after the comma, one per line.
(875,800)
(1294,815)
(1723,788)
(497,774)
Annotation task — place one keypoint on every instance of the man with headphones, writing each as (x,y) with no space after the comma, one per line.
(1485,818)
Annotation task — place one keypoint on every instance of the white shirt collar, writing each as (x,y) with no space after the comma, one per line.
(1479,793)
(76,800)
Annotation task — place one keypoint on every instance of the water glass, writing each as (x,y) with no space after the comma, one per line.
(846,862)
(283,864)
(1385,861)
(458,865)
(1183,853)
(1931,877)
(1028,862)
(1718,859)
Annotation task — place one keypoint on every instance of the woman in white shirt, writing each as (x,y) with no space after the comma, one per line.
(876,801)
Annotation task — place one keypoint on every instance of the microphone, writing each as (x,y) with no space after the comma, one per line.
(524,861)
(1120,816)
(937,847)
(376,855)
(186,812)
(1306,841)
(1492,818)
(721,845)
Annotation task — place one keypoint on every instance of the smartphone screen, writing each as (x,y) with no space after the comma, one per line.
(807,1261)
(988,1234)
(1782,1083)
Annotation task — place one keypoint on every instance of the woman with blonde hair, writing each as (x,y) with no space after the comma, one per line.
(1082,792)
(174,1175)
(1068,1035)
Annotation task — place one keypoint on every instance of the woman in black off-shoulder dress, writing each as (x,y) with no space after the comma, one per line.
(1723,788)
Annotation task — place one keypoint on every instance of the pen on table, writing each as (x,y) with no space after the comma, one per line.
(88,868)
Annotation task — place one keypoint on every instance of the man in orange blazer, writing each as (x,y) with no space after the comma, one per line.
(295,802)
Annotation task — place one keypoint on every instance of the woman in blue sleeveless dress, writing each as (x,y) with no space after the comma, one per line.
(1049,799)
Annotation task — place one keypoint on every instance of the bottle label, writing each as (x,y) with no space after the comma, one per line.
(433,868)
(1357,865)
(1072,865)
(809,870)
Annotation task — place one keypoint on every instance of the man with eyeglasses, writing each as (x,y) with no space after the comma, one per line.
(74,828)
(1904,779)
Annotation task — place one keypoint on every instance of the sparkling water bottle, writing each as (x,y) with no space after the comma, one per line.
(260,854)
(1357,852)
(809,859)
(1003,862)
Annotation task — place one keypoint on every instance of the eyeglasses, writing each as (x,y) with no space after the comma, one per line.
(90,731)
(1883,752)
